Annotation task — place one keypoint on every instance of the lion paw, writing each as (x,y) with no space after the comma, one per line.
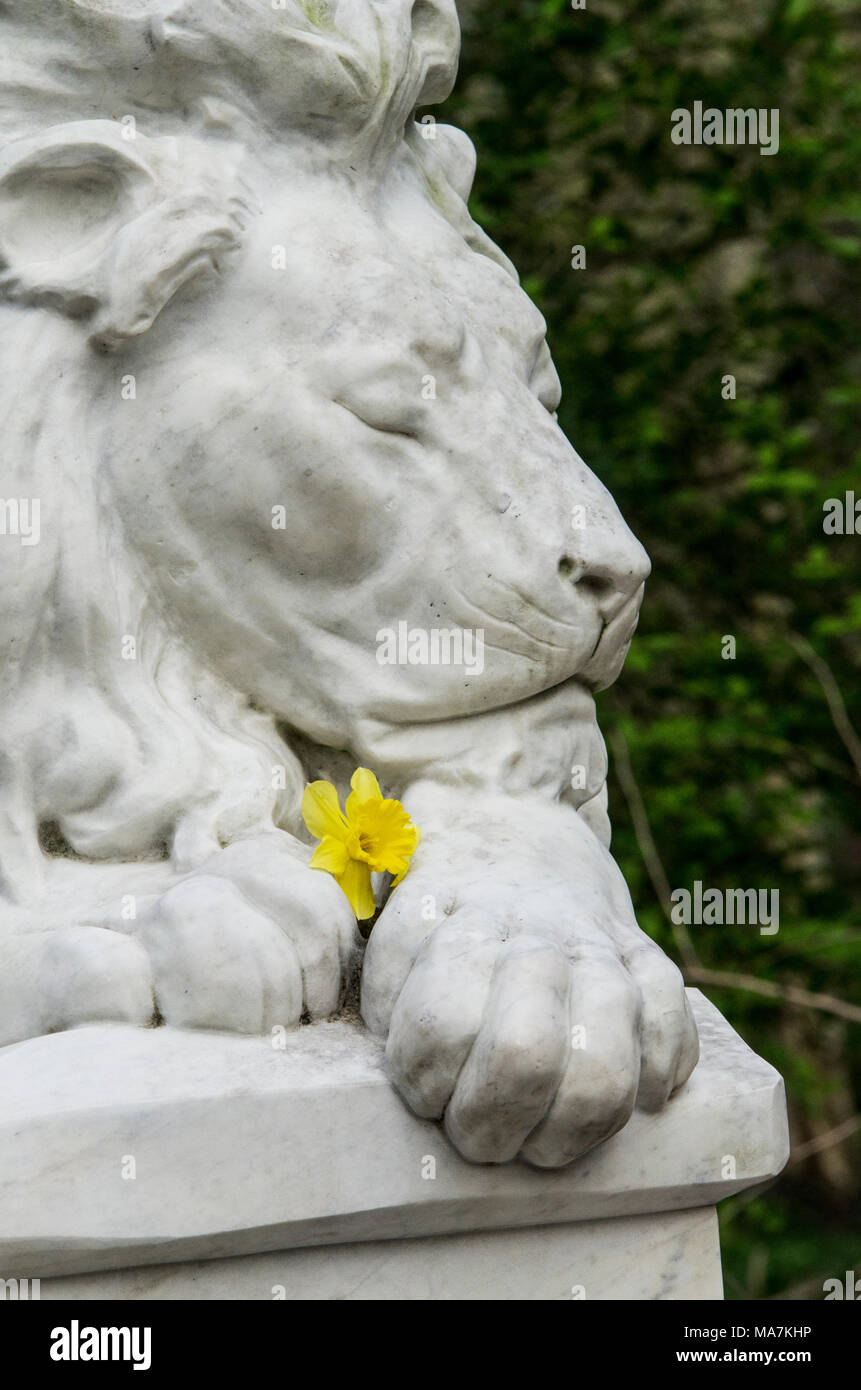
(251,941)
(54,980)
(526,1017)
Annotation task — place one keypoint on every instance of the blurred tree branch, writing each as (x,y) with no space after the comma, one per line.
(831,690)
(837,1135)
(695,971)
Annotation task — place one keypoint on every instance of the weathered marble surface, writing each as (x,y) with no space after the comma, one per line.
(276,393)
(241,1149)
(648,1258)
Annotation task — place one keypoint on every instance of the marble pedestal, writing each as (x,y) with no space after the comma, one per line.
(166,1164)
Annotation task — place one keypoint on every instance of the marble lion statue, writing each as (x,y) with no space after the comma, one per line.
(267,391)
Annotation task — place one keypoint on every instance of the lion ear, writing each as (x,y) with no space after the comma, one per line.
(105,225)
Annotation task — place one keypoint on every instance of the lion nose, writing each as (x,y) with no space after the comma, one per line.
(609,566)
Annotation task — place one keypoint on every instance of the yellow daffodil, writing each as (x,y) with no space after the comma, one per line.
(371,835)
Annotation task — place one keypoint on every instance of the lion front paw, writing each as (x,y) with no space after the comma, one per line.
(251,941)
(54,980)
(527,1019)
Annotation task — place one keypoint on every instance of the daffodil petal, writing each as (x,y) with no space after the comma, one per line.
(365,785)
(331,855)
(321,811)
(355,883)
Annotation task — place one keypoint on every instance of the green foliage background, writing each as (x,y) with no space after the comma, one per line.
(703,261)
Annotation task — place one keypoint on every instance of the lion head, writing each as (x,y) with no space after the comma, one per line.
(275,394)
